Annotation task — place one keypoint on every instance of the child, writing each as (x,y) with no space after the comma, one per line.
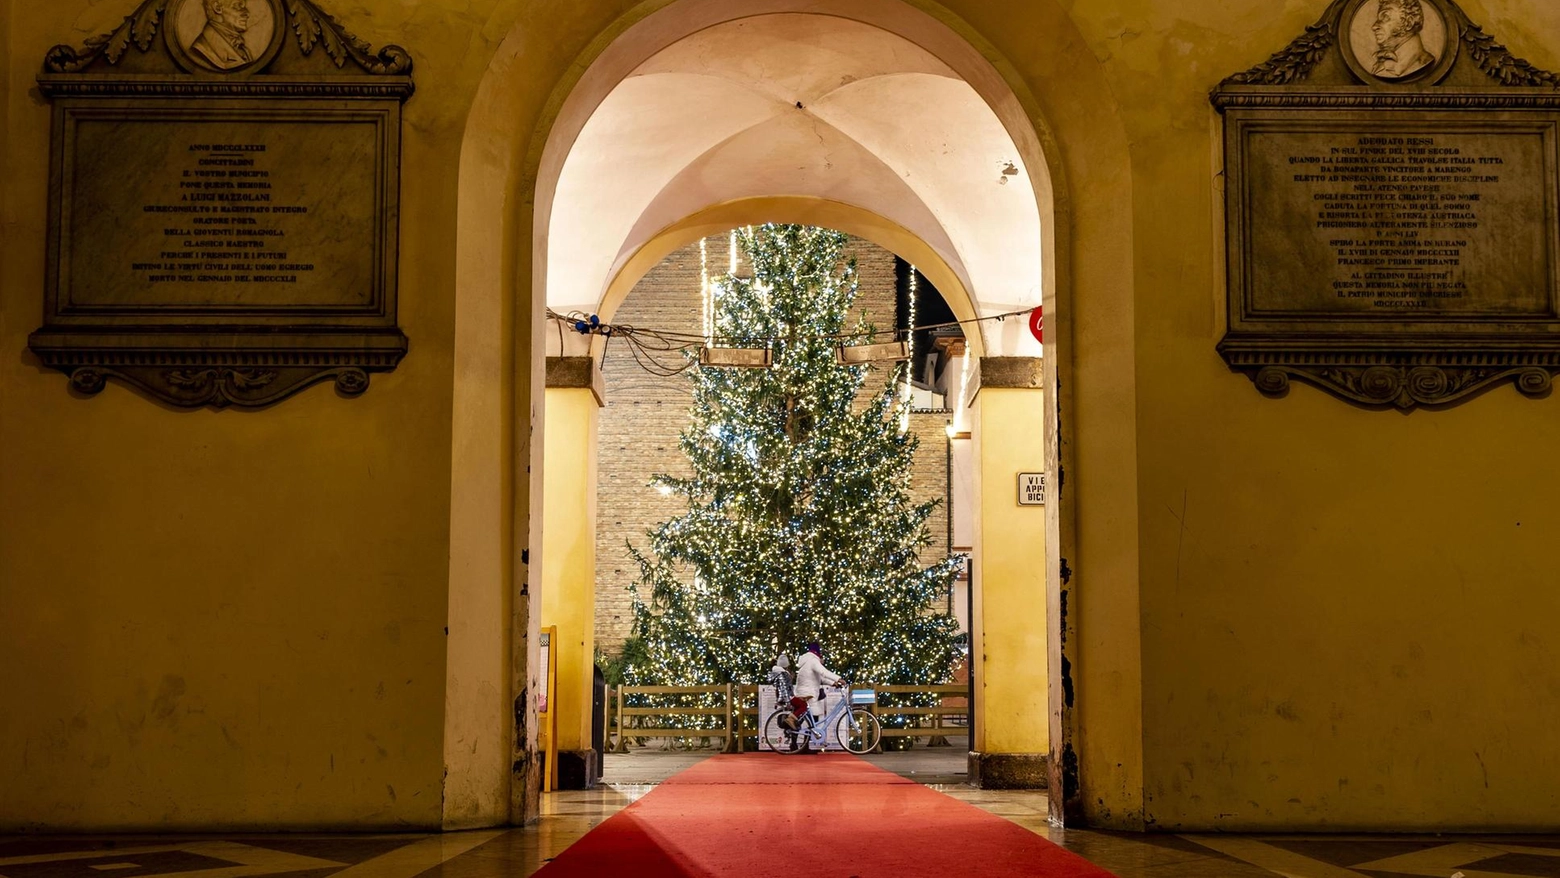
(780,678)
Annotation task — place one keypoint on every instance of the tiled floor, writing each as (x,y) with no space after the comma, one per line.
(1132,855)
(569,815)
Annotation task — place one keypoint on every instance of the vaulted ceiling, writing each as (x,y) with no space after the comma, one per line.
(808,106)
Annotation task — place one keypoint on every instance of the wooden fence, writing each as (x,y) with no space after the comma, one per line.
(679,716)
(931,721)
(683,712)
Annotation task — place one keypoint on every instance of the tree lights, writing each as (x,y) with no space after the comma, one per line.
(799,522)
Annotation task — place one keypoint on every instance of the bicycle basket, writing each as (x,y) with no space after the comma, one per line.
(863,696)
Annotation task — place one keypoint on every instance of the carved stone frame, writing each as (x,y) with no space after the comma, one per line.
(1374,362)
(313,71)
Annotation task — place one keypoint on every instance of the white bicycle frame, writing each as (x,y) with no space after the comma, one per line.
(817,730)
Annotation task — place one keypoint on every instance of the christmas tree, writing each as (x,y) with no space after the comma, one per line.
(799,524)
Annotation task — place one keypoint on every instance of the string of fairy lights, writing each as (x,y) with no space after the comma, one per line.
(908,383)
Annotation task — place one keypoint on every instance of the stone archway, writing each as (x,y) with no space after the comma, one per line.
(492,261)
(824,115)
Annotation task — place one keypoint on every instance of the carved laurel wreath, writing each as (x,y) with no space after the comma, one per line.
(1500,65)
(312,25)
(1294,62)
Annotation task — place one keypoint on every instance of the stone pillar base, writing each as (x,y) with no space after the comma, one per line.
(576,769)
(1007,771)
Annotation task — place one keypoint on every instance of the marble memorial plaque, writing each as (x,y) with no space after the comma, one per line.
(224,204)
(222,212)
(1392,188)
(1377,219)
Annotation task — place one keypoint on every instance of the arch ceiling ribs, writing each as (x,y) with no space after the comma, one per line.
(799,106)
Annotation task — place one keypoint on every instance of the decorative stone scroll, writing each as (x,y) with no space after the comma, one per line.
(1392,194)
(223,204)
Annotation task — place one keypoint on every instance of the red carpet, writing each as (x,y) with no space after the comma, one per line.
(832,816)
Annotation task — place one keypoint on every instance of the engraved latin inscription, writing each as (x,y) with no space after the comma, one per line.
(1432,222)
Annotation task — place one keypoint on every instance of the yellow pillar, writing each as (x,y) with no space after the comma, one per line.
(569,555)
(1008,612)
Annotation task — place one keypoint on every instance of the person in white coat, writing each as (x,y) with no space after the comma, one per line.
(812,676)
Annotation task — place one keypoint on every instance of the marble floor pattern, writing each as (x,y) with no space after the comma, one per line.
(568,815)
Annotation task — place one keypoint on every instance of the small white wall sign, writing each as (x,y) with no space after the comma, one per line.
(1031,489)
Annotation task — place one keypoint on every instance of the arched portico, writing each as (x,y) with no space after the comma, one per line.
(616,54)
(836,119)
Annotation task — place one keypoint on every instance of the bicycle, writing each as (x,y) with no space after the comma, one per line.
(858,730)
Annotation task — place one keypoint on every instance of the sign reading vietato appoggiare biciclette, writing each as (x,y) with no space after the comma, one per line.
(1031,489)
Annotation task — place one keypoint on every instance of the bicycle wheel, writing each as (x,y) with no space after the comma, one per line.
(864,737)
(781,739)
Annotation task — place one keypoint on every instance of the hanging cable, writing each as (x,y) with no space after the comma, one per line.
(666,353)
(589,324)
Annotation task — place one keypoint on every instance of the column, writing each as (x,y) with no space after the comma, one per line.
(574,398)
(1008,613)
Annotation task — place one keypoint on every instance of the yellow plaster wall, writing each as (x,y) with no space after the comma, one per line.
(569,550)
(1348,616)
(230,618)
(1013,673)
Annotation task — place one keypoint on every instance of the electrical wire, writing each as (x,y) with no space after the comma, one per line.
(666,353)
(678,339)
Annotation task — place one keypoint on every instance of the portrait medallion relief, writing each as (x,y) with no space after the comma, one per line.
(1398,40)
(222,36)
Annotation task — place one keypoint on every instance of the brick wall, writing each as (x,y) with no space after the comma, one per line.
(645,414)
